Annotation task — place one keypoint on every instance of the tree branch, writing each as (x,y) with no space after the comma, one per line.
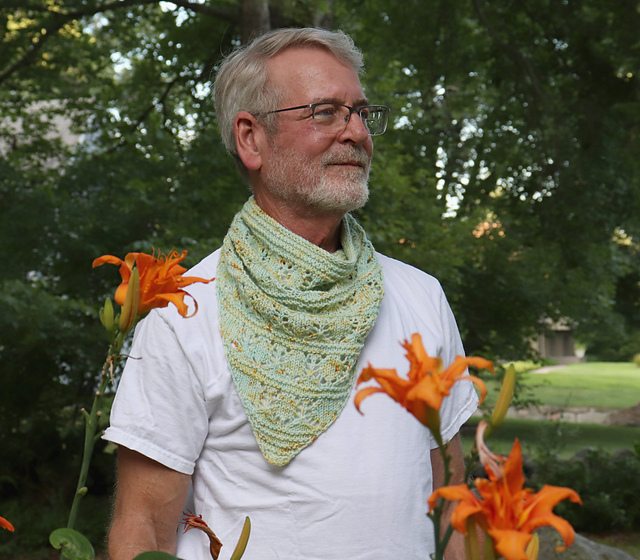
(163,97)
(519,58)
(60,18)
(227,12)
(168,87)
(33,50)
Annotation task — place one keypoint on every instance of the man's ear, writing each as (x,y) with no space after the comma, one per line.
(250,137)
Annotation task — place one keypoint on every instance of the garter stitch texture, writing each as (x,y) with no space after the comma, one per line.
(293,320)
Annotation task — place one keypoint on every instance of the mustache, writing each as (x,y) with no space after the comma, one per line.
(352,154)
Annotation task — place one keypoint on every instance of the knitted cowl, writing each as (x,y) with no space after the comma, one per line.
(293,320)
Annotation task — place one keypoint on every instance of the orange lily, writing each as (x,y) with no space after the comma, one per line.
(6,525)
(506,510)
(161,279)
(190,521)
(427,384)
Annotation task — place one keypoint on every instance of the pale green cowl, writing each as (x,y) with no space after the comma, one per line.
(293,320)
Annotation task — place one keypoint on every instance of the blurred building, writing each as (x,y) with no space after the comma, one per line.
(556,342)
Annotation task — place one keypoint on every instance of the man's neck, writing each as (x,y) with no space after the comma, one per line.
(321,229)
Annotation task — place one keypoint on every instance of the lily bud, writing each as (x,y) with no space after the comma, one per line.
(533,548)
(471,544)
(504,400)
(130,307)
(242,542)
(489,552)
(106,316)
(432,421)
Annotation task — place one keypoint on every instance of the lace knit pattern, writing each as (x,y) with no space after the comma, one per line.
(293,320)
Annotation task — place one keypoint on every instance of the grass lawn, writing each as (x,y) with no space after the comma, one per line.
(601,385)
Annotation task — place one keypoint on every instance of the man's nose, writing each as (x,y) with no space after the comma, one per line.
(355,131)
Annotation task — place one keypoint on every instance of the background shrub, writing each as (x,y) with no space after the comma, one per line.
(609,486)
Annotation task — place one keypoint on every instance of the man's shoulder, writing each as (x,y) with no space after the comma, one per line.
(398,271)
(207,267)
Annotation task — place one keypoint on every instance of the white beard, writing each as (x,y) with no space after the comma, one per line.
(323,187)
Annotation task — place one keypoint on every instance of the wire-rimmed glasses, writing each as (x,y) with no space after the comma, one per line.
(332,118)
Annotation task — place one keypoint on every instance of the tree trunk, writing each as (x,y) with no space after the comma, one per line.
(255,19)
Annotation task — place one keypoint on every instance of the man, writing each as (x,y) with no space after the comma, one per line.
(250,402)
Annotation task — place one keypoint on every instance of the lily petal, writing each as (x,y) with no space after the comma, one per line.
(6,525)
(427,384)
(362,394)
(110,259)
(161,280)
(511,544)
(539,511)
(469,505)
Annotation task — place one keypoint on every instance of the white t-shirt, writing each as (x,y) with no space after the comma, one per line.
(358,492)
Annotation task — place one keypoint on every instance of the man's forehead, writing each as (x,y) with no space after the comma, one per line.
(316,70)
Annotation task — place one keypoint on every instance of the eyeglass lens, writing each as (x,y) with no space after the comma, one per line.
(333,118)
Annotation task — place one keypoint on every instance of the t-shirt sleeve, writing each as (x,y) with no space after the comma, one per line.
(462,401)
(159,409)
(423,308)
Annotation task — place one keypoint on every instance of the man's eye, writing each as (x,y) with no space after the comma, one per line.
(326,111)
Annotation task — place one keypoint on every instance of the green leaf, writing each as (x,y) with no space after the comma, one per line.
(74,545)
(156,555)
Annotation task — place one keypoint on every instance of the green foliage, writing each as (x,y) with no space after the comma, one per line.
(612,340)
(523,366)
(34,517)
(561,438)
(610,503)
(511,116)
(125,187)
(74,545)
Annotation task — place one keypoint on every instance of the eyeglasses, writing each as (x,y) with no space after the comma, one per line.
(332,118)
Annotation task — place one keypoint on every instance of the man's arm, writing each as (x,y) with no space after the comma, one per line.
(455,548)
(148,507)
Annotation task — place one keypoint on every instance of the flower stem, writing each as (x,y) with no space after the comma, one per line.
(436,517)
(91,427)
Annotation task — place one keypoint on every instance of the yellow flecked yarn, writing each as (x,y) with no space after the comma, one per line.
(293,320)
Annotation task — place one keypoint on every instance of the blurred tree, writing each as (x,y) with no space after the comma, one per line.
(109,144)
(519,127)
